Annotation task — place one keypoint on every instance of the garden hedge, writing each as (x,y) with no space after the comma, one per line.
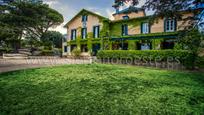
(184,57)
(47,53)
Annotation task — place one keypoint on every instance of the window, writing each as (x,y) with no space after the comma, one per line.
(64,39)
(146,45)
(73,47)
(170,25)
(65,49)
(145,29)
(73,34)
(84,33)
(124,30)
(96,30)
(84,18)
(125,17)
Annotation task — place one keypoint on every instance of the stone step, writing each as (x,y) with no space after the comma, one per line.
(24,51)
(15,56)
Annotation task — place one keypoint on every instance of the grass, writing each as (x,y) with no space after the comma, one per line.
(101,89)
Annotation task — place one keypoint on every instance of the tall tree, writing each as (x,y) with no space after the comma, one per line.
(52,38)
(29,19)
(36,19)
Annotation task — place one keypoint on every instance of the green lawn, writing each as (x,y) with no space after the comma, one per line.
(101,89)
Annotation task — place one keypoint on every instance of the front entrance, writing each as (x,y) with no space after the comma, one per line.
(120,46)
(168,45)
(95,48)
(73,47)
(144,45)
(84,48)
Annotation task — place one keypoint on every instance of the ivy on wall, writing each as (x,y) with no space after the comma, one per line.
(105,31)
(113,29)
(89,45)
(116,26)
(131,45)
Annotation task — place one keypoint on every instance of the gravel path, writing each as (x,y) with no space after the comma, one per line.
(7,65)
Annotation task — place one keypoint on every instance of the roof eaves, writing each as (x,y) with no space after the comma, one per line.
(122,20)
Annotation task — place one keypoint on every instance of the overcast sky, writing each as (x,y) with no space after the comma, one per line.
(69,8)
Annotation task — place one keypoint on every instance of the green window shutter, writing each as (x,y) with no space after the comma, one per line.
(141,28)
(122,30)
(82,33)
(149,28)
(75,34)
(86,32)
(165,24)
(99,31)
(71,34)
(93,31)
(175,24)
(126,29)
(82,19)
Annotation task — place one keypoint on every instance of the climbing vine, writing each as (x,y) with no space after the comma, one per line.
(131,45)
(113,29)
(116,26)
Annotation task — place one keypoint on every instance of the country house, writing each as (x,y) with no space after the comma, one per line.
(131,29)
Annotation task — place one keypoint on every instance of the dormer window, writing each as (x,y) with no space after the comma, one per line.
(125,17)
(84,18)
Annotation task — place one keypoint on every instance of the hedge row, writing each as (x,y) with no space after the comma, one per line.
(47,53)
(184,57)
(4,50)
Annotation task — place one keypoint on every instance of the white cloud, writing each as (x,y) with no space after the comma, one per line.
(98,13)
(60,28)
(110,14)
(66,10)
(51,2)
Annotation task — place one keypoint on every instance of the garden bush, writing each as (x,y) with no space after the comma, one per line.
(182,56)
(5,50)
(76,52)
(200,62)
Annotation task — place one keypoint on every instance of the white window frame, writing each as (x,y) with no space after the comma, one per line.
(170,25)
(125,30)
(73,34)
(84,18)
(84,33)
(145,28)
(96,32)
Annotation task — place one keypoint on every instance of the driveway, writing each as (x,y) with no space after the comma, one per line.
(7,65)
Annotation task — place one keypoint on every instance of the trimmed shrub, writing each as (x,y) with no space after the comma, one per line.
(47,53)
(76,52)
(200,62)
(182,56)
(4,50)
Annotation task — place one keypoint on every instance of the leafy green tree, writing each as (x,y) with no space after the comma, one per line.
(28,19)
(191,41)
(36,19)
(10,36)
(52,38)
